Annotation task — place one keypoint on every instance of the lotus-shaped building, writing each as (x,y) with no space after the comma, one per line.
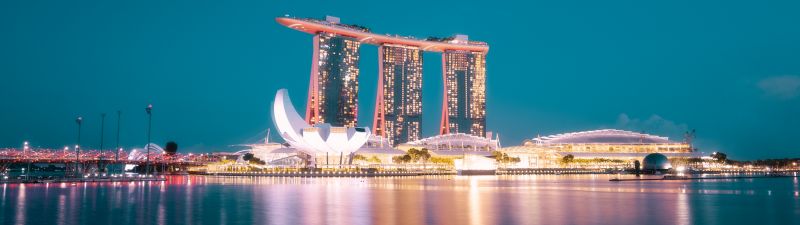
(319,138)
(141,153)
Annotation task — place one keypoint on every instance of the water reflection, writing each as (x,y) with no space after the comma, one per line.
(682,208)
(534,199)
(21,210)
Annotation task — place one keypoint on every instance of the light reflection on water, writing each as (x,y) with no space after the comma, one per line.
(519,199)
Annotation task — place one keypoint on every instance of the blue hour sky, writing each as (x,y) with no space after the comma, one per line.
(729,69)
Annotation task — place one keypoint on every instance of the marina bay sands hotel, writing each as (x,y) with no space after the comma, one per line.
(333,88)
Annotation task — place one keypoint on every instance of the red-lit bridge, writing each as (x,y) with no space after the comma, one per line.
(10,156)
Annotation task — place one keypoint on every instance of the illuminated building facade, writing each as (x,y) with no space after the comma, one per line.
(398,108)
(333,87)
(464,105)
(333,90)
(607,148)
(609,141)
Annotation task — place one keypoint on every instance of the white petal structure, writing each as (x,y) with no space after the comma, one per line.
(319,138)
(141,153)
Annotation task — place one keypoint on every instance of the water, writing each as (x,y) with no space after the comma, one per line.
(526,199)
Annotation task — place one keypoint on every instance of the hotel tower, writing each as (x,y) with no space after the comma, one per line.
(333,89)
(464,104)
(398,107)
(333,86)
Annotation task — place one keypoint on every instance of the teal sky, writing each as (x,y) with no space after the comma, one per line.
(730,69)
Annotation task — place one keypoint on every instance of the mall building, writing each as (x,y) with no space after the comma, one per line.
(607,148)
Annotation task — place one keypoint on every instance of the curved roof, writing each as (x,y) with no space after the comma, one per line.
(605,136)
(455,139)
(313,26)
(378,145)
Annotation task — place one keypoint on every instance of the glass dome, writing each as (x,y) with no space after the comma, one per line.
(656,161)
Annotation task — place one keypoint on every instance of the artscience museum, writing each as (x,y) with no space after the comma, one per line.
(318,141)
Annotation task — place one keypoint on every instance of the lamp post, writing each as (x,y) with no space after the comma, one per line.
(66,151)
(100,165)
(149,111)
(116,156)
(79,121)
(25,149)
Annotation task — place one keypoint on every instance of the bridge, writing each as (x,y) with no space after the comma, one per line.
(92,161)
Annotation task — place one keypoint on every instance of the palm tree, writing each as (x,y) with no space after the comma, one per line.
(424,155)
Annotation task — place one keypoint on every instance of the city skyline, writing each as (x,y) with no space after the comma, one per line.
(412,112)
(734,79)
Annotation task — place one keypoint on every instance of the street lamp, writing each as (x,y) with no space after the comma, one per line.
(116,157)
(100,165)
(66,150)
(149,111)
(25,148)
(78,121)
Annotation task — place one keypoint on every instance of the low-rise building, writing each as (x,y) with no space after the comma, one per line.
(607,148)
(455,145)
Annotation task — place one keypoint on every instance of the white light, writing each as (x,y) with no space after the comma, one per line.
(681,169)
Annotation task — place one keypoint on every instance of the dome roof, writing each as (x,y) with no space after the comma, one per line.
(656,161)
(605,136)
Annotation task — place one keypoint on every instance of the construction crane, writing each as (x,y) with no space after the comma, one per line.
(688,137)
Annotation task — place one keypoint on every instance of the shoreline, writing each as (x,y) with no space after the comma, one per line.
(665,177)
